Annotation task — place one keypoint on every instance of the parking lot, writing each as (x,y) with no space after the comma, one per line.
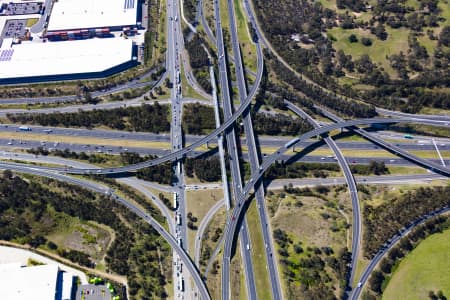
(14,29)
(93,292)
(14,9)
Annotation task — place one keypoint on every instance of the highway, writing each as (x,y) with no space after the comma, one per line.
(175,47)
(266,141)
(351,183)
(253,156)
(142,214)
(184,151)
(392,148)
(383,251)
(230,135)
(397,114)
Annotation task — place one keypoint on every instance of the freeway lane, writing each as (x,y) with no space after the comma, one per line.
(105,190)
(267,141)
(351,183)
(226,124)
(230,135)
(175,45)
(254,166)
(406,115)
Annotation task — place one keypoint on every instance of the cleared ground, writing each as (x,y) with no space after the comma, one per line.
(426,268)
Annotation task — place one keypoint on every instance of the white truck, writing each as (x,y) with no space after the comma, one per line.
(24,128)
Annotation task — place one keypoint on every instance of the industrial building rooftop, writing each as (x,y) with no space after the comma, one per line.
(79,14)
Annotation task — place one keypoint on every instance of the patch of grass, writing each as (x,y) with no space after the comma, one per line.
(33,262)
(214,278)
(187,90)
(248,49)
(200,201)
(426,268)
(397,41)
(73,233)
(400,170)
(237,280)
(258,254)
(31,22)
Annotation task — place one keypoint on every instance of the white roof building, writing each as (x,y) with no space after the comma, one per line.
(61,58)
(78,14)
(28,283)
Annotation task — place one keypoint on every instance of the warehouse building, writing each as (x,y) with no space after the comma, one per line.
(67,15)
(36,282)
(76,39)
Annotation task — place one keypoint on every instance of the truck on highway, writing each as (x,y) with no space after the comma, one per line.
(178,219)
(24,128)
(181,284)
(178,77)
(179,89)
(175,200)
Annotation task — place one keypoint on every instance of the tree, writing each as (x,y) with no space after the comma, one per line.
(376,281)
(168,83)
(352,38)
(386,265)
(366,41)
(444,36)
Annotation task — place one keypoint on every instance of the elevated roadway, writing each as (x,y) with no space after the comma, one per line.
(230,136)
(253,156)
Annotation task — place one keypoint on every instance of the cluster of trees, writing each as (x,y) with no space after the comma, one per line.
(190,9)
(385,220)
(199,61)
(191,221)
(198,118)
(151,118)
(161,173)
(299,170)
(406,245)
(279,124)
(166,201)
(26,213)
(76,256)
(206,169)
(66,153)
(312,270)
(355,5)
(437,296)
(347,107)
(374,167)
